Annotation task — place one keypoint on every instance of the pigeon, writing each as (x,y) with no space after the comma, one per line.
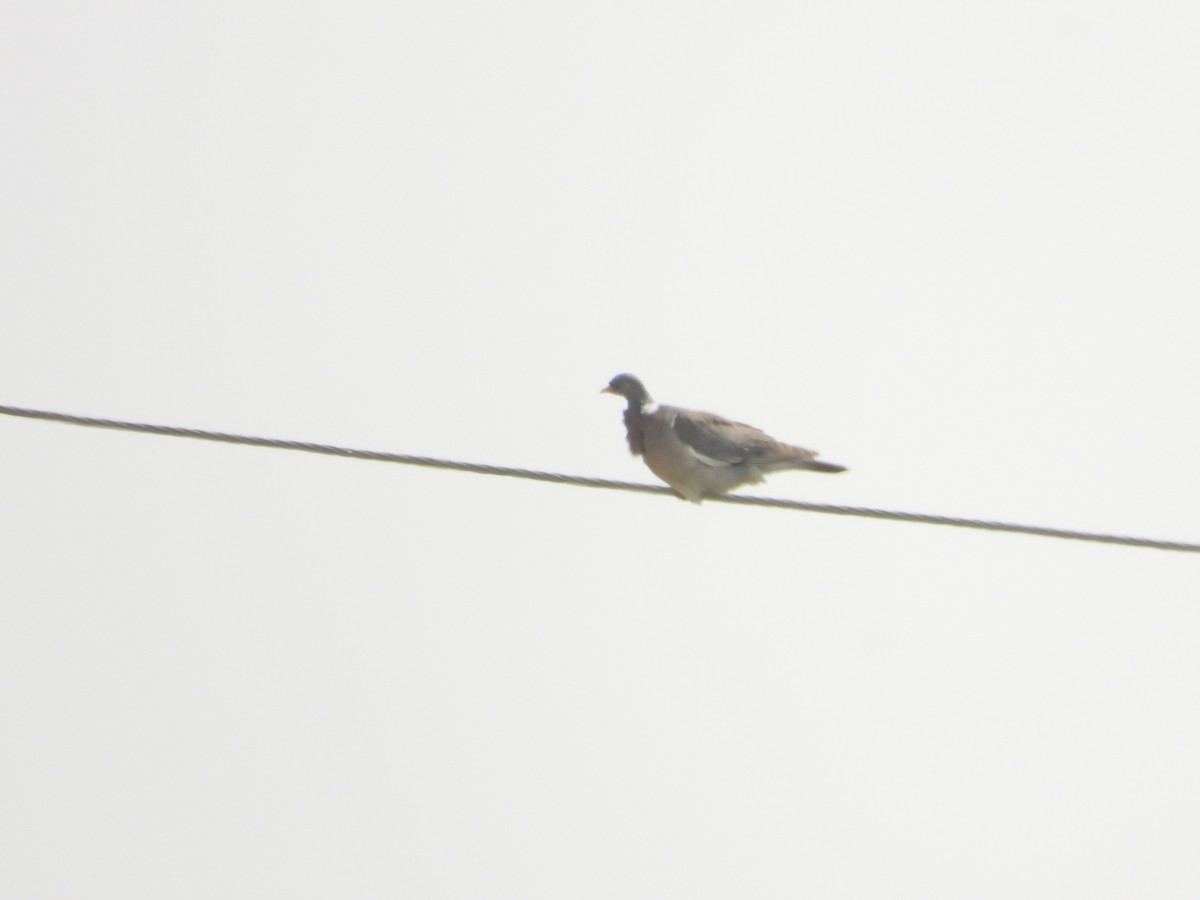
(700,454)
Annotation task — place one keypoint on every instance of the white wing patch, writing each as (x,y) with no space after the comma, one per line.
(707,460)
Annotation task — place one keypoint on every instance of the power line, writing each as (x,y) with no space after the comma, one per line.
(581,481)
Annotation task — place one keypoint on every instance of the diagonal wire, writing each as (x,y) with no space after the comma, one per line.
(582,481)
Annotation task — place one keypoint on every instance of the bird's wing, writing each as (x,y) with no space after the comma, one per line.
(717,441)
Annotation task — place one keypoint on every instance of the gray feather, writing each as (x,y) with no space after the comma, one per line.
(732,443)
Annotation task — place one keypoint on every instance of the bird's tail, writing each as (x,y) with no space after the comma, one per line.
(796,458)
(817,466)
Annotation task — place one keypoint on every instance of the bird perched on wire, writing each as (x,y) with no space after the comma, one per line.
(700,454)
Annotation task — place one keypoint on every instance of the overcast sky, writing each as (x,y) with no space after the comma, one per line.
(952,246)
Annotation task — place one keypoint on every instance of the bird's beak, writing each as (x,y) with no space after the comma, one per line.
(607,389)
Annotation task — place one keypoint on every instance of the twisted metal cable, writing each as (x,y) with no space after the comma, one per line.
(582,481)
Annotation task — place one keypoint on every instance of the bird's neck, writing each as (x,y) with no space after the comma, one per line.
(633,428)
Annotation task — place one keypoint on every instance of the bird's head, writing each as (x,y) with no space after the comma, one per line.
(630,388)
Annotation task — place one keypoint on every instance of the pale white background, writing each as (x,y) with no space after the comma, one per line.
(951,245)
